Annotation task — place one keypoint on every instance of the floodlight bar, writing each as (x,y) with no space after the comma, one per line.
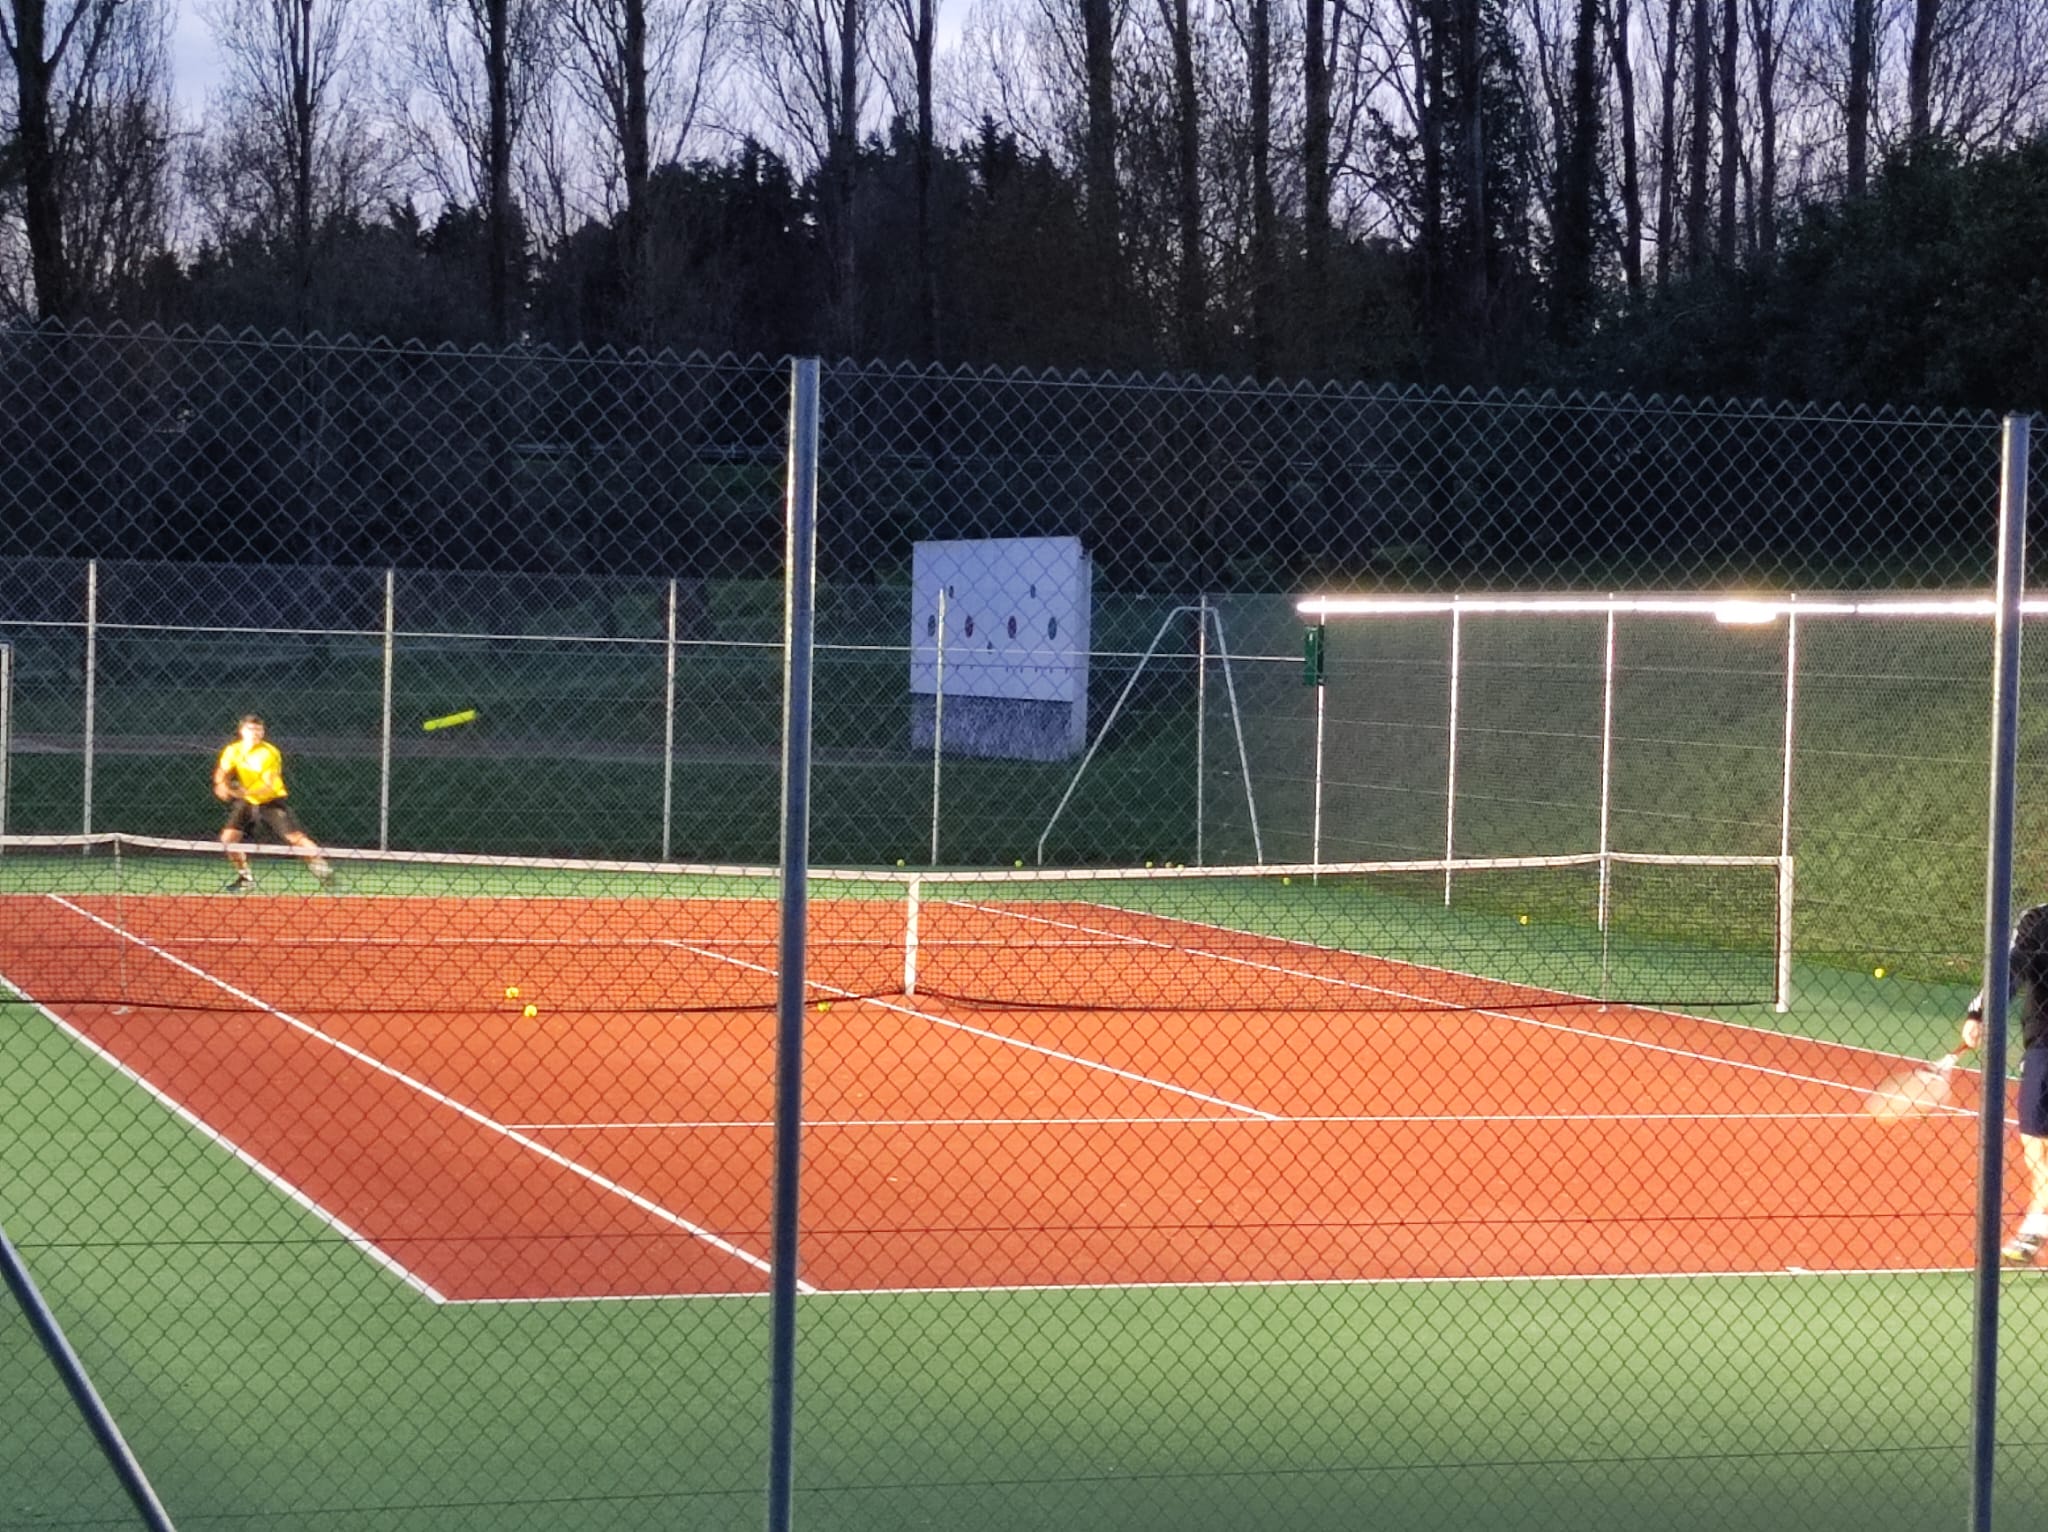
(1733,608)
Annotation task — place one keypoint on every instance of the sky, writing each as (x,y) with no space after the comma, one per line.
(195,61)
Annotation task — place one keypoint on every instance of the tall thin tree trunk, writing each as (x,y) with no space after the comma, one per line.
(1578,161)
(635,160)
(1763,38)
(927,255)
(845,157)
(1731,128)
(302,65)
(1317,60)
(1697,232)
(1667,144)
(1478,287)
(1191,297)
(1265,241)
(498,68)
(1099,170)
(1920,70)
(1431,104)
(1631,172)
(42,199)
(1862,44)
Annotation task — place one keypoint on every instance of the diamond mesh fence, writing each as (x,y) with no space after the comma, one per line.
(1464,1055)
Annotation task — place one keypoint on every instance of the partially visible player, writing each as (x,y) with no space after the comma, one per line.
(249,778)
(2030,986)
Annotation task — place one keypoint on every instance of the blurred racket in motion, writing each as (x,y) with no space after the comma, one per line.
(1918,1091)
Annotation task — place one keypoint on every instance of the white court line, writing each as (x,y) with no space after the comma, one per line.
(1363,1119)
(207,1131)
(646,1205)
(997,1037)
(1438,1002)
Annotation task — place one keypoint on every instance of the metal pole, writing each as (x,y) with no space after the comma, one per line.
(6,728)
(799,624)
(384,741)
(1201,714)
(1606,771)
(2005,720)
(1244,764)
(92,650)
(97,1417)
(1451,774)
(938,717)
(668,729)
(1784,995)
(1315,847)
(910,902)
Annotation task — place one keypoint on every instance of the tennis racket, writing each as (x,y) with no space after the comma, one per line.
(1916,1092)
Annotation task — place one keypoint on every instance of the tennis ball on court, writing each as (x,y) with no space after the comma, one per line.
(1524,919)
(824,1005)
(530,1012)
(1285,881)
(1148,861)
(1877,972)
(899,861)
(511,992)
(1018,863)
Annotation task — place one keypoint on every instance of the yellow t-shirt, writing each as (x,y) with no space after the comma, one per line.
(258,769)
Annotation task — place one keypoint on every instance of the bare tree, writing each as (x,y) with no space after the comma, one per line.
(1766,46)
(642,69)
(479,66)
(57,49)
(1615,19)
(1191,292)
(1731,127)
(1578,166)
(117,160)
(1667,139)
(296,152)
(806,56)
(919,20)
(1862,62)
(1698,151)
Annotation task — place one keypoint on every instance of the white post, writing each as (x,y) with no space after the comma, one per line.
(92,641)
(6,727)
(910,939)
(1244,763)
(1451,774)
(384,738)
(668,729)
(1784,998)
(938,719)
(1201,715)
(1606,773)
(1315,849)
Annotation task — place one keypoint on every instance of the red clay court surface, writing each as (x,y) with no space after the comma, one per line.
(623,1150)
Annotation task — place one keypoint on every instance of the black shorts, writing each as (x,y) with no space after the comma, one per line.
(275,816)
(2033,1102)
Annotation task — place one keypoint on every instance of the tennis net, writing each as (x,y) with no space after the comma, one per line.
(145,922)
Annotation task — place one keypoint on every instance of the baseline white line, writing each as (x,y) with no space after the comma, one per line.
(997,1037)
(1435,1002)
(1335,1120)
(646,1205)
(206,1130)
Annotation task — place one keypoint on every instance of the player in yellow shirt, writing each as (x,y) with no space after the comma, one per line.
(249,778)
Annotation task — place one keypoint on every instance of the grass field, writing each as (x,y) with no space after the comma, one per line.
(271,1373)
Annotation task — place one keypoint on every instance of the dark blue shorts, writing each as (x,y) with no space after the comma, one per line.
(2033,1102)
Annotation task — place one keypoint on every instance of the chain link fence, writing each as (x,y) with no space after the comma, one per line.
(1414,1064)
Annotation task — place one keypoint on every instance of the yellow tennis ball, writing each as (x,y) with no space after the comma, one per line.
(530,1012)
(899,861)
(1148,861)
(1018,863)
(1524,919)
(824,1005)
(511,992)
(1285,881)
(1877,972)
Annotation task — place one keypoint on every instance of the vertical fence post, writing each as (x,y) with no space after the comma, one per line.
(1314,674)
(1606,776)
(938,715)
(384,734)
(1784,987)
(120,1456)
(1451,754)
(6,729)
(799,622)
(92,665)
(2005,721)
(668,729)
(1201,713)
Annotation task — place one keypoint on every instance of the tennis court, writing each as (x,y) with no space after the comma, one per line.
(1107,1083)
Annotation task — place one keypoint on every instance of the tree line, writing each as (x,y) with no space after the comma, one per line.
(1820,198)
